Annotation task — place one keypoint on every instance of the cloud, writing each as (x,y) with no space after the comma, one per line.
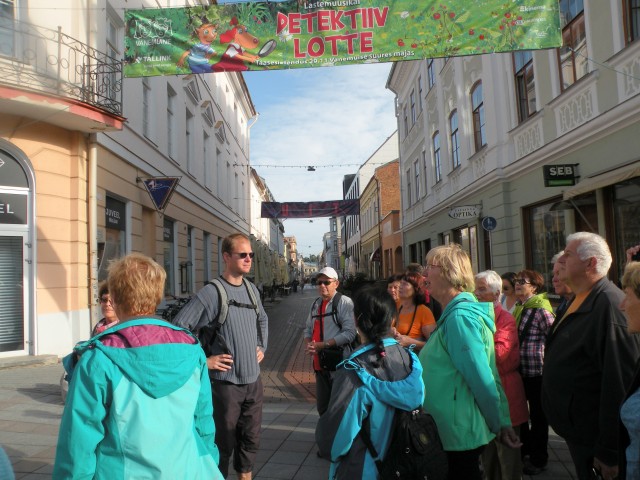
(316,117)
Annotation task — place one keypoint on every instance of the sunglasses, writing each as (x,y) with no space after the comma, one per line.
(521,281)
(105,300)
(243,255)
(326,283)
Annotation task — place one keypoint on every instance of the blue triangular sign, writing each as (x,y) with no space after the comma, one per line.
(160,190)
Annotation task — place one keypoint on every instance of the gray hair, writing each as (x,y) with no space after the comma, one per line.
(593,245)
(494,281)
(556,257)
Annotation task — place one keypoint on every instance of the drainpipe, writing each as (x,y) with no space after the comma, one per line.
(92,226)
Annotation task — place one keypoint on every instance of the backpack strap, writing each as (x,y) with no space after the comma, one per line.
(334,309)
(366,438)
(223,302)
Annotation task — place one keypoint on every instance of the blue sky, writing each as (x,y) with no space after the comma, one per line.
(332,118)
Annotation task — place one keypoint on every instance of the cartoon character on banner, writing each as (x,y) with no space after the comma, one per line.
(239,39)
(197,57)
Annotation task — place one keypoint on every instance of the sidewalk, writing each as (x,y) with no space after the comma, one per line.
(30,409)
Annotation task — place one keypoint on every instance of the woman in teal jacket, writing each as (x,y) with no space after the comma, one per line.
(463,392)
(139,402)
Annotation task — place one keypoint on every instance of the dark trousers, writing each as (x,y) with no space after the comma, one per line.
(535,436)
(237,413)
(323,390)
(465,464)
(582,456)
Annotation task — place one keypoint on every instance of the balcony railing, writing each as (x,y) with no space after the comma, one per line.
(49,61)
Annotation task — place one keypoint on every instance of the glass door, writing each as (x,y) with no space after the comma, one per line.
(13,294)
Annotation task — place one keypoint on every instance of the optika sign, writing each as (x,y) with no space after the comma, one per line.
(464,212)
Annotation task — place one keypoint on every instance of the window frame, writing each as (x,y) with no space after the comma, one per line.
(570,30)
(478,116)
(454,139)
(631,27)
(437,158)
(431,73)
(521,84)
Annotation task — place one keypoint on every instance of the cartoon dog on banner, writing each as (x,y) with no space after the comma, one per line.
(234,58)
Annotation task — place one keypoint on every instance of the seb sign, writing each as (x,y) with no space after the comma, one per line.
(560,175)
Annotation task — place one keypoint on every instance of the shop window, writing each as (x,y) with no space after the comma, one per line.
(112,245)
(467,238)
(626,209)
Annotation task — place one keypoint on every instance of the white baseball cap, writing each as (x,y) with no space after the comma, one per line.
(328,272)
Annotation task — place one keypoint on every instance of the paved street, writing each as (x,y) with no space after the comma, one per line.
(31,407)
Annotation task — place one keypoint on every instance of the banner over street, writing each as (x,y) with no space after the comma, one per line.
(318,33)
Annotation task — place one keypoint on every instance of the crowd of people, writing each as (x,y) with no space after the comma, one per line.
(486,355)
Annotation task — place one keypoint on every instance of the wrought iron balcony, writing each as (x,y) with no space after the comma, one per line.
(49,61)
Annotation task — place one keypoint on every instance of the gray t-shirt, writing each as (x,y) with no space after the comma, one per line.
(240,331)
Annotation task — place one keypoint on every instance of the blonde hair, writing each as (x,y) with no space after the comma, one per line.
(631,278)
(455,266)
(136,284)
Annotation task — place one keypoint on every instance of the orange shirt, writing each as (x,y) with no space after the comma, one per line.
(424,317)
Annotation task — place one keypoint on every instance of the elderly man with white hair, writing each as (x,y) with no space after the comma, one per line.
(502,462)
(589,359)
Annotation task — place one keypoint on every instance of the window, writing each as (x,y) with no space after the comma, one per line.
(206,255)
(114,53)
(171,122)
(437,167)
(431,73)
(525,84)
(631,19)
(477,105)
(207,160)
(425,166)
(113,246)
(7,27)
(416,172)
(573,53)
(420,93)
(147,113)
(412,98)
(168,256)
(455,140)
(406,122)
(409,188)
(188,138)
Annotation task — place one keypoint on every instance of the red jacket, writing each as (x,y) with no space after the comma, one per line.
(507,360)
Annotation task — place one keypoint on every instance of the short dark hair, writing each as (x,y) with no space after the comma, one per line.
(536,279)
(509,277)
(417,282)
(229,242)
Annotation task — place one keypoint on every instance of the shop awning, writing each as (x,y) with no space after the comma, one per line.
(603,180)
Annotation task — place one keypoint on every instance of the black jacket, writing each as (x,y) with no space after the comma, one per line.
(589,362)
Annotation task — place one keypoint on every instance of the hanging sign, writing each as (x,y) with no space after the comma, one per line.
(560,175)
(332,208)
(160,189)
(319,33)
(465,212)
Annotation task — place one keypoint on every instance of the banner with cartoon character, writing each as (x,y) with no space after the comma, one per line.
(317,33)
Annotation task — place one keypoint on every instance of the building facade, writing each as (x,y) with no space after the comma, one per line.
(76,152)
(490,144)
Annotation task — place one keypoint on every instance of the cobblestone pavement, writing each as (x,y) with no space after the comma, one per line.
(31,407)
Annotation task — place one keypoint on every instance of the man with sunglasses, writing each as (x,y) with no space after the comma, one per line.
(234,366)
(329,324)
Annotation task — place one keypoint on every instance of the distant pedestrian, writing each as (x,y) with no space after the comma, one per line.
(139,403)
(589,359)
(234,365)
(330,324)
(499,461)
(377,378)
(463,392)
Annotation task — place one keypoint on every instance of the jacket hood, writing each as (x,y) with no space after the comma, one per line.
(468,303)
(405,394)
(158,368)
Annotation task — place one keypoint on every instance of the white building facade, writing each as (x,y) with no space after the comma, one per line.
(478,134)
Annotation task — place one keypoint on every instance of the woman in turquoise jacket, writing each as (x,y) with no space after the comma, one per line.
(463,392)
(139,402)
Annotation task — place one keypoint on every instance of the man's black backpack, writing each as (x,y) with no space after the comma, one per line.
(210,334)
(415,451)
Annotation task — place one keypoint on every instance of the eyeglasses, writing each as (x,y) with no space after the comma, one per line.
(326,283)
(243,255)
(105,300)
(429,266)
(521,281)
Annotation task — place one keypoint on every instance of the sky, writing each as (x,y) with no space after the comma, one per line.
(331,118)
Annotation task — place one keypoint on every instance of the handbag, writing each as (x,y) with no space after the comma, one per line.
(330,357)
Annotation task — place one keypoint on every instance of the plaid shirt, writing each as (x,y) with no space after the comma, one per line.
(537,322)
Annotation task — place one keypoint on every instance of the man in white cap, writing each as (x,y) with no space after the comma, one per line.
(329,331)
